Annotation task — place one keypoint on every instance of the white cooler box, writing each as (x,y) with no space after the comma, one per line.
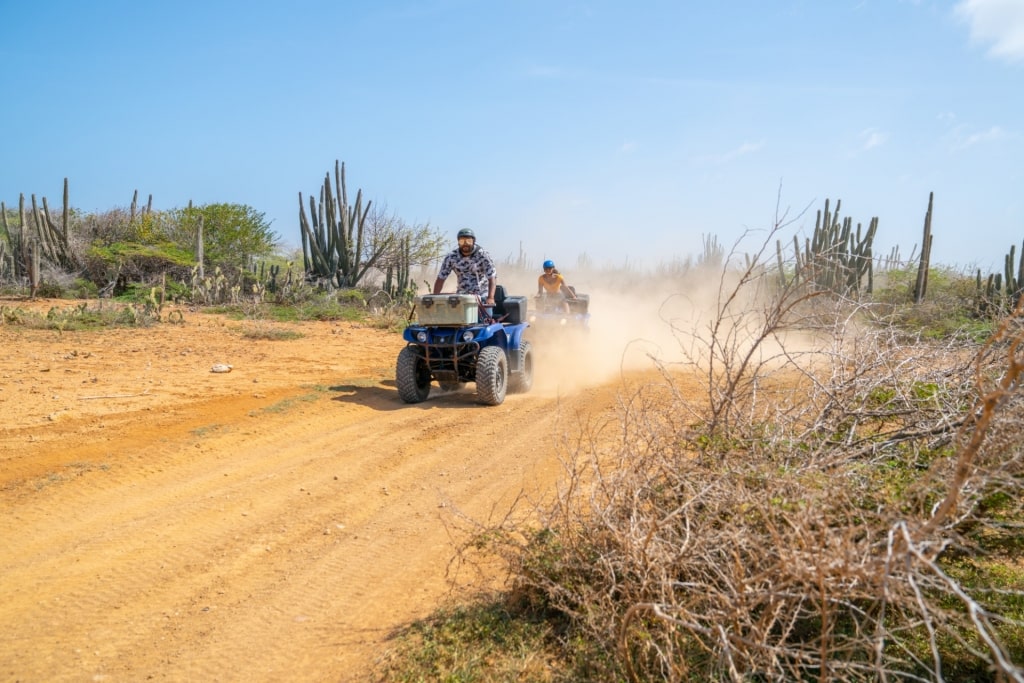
(447,309)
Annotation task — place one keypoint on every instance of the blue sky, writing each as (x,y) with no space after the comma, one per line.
(622,130)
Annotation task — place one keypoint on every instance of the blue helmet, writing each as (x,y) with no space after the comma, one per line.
(549,264)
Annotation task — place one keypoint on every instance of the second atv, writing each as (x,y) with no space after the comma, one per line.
(550,314)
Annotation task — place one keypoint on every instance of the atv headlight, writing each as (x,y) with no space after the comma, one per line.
(467,335)
(421,336)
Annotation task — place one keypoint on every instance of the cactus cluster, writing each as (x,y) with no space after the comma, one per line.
(36,240)
(270,279)
(333,234)
(1001,292)
(396,275)
(713,255)
(210,289)
(836,258)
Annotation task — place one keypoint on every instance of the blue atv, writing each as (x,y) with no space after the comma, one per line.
(456,340)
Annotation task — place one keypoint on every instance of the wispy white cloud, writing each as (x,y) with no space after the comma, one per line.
(961,136)
(627,147)
(871,138)
(964,139)
(996,23)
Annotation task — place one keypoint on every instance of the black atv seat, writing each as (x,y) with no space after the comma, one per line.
(499,302)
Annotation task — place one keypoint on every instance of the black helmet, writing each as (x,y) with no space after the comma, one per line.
(466,232)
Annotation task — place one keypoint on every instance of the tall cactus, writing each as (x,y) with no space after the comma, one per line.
(780,263)
(24,238)
(6,262)
(200,245)
(1008,273)
(1014,279)
(862,259)
(982,295)
(921,285)
(35,273)
(10,246)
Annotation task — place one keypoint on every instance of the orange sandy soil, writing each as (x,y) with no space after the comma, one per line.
(161,521)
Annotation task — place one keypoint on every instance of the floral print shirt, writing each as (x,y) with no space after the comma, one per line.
(473,271)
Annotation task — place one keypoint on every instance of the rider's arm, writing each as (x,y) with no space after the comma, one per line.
(443,273)
(491,284)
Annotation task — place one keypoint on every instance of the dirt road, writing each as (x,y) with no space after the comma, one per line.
(164,522)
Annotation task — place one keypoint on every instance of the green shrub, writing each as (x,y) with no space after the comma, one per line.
(49,290)
(122,264)
(83,289)
(950,309)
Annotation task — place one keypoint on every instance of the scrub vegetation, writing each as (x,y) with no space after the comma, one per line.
(839,500)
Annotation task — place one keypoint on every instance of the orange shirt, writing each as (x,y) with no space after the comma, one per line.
(551,285)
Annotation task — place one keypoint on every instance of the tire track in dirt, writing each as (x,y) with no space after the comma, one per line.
(231,541)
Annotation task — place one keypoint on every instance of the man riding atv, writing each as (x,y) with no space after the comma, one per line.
(473,266)
(475,335)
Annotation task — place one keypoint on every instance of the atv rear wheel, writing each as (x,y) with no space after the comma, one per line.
(412,376)
(491,376)
(522,381)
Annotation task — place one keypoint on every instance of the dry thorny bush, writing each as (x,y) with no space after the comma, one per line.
(828,509)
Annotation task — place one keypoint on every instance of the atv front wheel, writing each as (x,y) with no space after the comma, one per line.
(491,376)
(412,376)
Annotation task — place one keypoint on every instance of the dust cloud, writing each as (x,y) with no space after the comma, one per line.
(640,321)
(635,322)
